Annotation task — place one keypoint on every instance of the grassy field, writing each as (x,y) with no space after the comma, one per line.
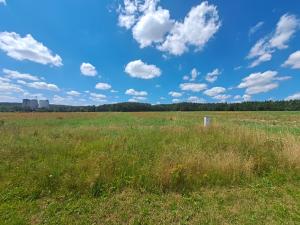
(150,168)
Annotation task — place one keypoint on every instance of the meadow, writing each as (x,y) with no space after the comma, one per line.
(150,168)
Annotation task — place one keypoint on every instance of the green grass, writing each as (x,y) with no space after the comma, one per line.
(149,168)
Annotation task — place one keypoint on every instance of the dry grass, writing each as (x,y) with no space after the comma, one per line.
(203,169)
(291,152)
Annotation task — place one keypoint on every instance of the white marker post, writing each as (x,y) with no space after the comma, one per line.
(207,121)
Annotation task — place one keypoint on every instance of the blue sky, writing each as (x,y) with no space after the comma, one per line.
(105,51)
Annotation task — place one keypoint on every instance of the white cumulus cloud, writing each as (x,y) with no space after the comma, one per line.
(27,48)
(198,27)
(285,29)
(192,76)
(136,93)
(185,77)
(213,76)
(43,86)
(195,99)
(100,98)
(68,100)
(137,99)
(11,74)
(3,2)
(88,69)
(295,96)
(8,98)
(7,87)
(247,98)
(40,85)
(127,14)
(176,100)
(214,91)
(152,25)
(4,79)
(293,61)
(95,95)
(139,69)
(73,93)
(222,98)
(59,100)
(194,87)
(263,49)
(175,94)
(257,83)
(103,86)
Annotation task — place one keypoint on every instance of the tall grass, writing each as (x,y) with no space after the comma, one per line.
(149,168)
(78,157)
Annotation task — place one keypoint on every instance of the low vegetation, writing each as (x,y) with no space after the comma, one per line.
(149,168)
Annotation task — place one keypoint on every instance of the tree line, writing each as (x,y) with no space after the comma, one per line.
(293,105)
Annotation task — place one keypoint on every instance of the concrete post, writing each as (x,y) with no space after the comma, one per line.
(207,121)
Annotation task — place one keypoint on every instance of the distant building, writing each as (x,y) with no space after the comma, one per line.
(26,103)
(43,104)
(31,104)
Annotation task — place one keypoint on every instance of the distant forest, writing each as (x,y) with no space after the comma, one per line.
(293,105)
